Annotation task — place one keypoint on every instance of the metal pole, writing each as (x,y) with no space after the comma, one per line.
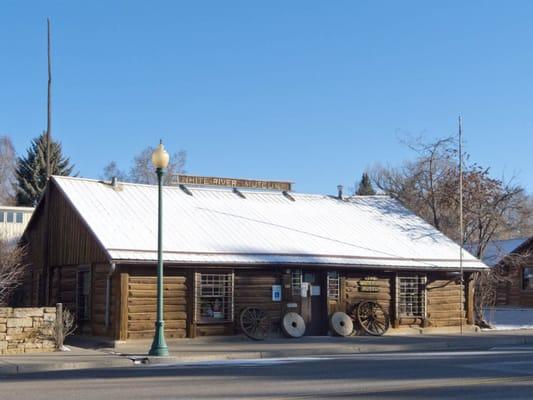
(461,238)
(49,107)
(159,346)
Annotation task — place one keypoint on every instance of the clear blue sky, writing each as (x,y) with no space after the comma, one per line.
(313,92)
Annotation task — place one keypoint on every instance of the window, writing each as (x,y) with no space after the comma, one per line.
(83,295)
(18,218)
(411,296)
(1,216)
(333,286)
(10,216)
(527,278)
(214,297)
(296,282)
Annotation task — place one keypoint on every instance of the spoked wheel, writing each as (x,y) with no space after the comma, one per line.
(255,323)
(372,318)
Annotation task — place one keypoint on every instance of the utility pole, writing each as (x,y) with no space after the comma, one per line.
(49,106)
(461,238)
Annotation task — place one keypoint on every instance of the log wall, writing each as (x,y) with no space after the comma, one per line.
(445,304)
(141,297)
(354,294)
(254,289)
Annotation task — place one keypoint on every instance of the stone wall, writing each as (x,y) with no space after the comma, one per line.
(26,330)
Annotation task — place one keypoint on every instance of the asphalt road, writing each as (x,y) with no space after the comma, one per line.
(505,373)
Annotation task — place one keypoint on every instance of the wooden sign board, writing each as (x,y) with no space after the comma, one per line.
(230,182)
(368,284)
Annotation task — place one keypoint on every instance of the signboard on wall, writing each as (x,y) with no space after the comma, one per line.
(276,292)
(179,179)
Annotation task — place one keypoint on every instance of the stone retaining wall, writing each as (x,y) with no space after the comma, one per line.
(26,330)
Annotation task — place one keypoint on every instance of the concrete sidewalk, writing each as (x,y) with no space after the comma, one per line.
(88,353)
(77,358)
(239,347)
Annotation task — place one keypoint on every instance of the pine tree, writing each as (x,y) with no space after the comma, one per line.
(31,170)
(365,186)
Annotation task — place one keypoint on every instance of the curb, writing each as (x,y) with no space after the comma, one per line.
(128,360)
(8,368)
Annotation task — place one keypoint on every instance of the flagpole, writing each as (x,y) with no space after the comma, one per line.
(49,106)
(461,238)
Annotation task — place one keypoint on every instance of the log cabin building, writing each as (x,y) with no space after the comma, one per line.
(516,267)
(225,248)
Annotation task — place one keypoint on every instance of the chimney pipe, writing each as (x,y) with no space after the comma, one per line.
(114,182)
(339,192)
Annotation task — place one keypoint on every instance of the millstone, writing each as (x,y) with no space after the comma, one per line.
(341,324)
(293,325)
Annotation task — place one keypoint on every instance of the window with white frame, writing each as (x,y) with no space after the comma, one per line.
(296,282)
(214,297)
(411,295)
(333,285)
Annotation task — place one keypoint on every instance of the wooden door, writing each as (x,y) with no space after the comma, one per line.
(314,310)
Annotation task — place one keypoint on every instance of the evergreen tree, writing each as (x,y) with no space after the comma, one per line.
(31,170)
(365,186)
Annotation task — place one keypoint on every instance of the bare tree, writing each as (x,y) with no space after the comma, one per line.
(142,170)
(8,166)
(112,170)
(63,327)
(12,269)
(428,185)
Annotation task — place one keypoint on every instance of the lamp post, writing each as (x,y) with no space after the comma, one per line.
(159,347)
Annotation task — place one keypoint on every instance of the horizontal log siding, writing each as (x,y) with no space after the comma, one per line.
(142,305)
(511,292)
(254,289)
(443,305)
(353,295)
(98,301)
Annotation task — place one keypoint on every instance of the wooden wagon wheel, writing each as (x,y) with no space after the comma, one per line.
(255,323)
(372,318)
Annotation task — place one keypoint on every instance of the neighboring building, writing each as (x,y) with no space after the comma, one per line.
(517,269)
(13,221)
(496,250)
(225,249)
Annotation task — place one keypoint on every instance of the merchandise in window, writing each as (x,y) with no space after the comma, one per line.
(215,297)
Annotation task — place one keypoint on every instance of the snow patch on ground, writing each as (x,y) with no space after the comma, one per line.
(504,318)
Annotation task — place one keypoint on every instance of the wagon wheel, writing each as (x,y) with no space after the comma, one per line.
(255,323)
(372,318)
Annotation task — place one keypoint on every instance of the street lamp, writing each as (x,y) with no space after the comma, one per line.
(159,347)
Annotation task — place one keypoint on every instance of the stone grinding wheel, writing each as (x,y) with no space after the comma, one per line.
(293,325)
(341,324)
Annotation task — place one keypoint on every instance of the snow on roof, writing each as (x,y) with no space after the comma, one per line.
(217,226)
(497,249)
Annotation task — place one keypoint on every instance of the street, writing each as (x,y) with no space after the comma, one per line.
(500,373)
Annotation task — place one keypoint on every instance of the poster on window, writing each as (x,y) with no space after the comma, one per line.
(305,289)
(276,292)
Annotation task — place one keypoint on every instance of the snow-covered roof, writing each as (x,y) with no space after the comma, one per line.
(497,249)
(212,225)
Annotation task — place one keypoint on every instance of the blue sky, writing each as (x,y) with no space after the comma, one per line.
(313,92)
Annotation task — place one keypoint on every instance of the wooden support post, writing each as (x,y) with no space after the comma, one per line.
(470,314)
(191,301)
(60,325)
(123,317)
(395,321)
(342,293)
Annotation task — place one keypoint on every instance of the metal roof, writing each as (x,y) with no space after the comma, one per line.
(218,226)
